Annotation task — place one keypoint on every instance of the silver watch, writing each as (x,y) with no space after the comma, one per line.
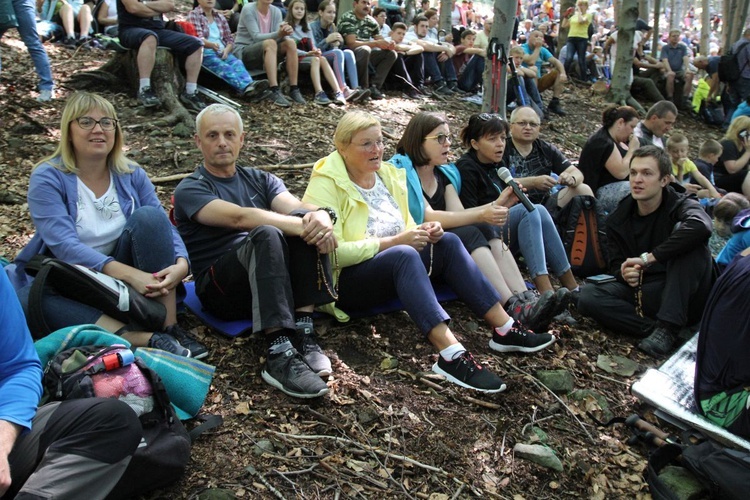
(644,258)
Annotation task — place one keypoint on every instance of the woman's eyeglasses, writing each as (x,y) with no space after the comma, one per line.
(370,145)
(88,123)
(441,138)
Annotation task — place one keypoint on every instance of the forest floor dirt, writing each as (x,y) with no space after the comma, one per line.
(388,428)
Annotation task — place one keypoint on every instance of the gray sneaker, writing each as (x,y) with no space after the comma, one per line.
(296,96)
(307,343)
(168,343)
(197,350)
(255,89)
(321,99)
(276,97)
(148,98)
(288,372)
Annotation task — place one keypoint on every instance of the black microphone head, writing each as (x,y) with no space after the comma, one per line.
(504,174)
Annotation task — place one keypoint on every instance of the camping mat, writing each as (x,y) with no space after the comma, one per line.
(670,389)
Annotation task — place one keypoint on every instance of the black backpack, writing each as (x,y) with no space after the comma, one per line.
(581,228)
(164,451)
(729,66)
(724,472)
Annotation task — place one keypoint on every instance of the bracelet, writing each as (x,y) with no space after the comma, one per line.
(331,213)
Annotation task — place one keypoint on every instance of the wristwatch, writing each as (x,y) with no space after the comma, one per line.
(331,213)
(644,258)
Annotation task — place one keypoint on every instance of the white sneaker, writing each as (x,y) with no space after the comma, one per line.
(46,95)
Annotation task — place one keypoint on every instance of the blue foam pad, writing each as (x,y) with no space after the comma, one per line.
(242,326)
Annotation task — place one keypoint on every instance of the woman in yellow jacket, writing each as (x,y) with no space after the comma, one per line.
(383,254)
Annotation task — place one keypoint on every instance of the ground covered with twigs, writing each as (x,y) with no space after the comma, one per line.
(388,428)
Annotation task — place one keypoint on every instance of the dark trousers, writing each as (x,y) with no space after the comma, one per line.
(76,449)
(472,74)
(676,297)
(265,278)
(406,72)
(381,60)
(437,70)
(401,271)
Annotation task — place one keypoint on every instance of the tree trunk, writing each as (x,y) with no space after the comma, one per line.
(445,18)
(502,31)
(673,21)
(619,91)
(656,34)
(342,7)
(643,9)
(705,28)
(411,9)
(166,80)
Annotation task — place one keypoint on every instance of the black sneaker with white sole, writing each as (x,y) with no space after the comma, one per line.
(168,343)
(147,98)
(519,339)
(467,372)
(287,371)
(192,102)
(197,350)
(306,343)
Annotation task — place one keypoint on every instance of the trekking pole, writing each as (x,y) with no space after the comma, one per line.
(653,433)
(492,50)
(520,91)
(501,74)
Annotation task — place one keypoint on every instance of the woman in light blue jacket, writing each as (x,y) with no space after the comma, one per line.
(93,207)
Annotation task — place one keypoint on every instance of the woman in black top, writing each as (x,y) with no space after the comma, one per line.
(731,171)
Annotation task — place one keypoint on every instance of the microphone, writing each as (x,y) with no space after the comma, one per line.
(505,176)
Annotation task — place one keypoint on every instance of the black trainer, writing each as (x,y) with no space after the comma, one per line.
(148,98)
(659,343)
(166,342)
(536,313)
(519,339)
(192,102)
(307,345)
(465,371)
(375,93)
(197,350)
(288,372)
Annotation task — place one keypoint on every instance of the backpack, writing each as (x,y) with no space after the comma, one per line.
(113,297)
(724,472)
(581,229)
(729,66)
(113,371)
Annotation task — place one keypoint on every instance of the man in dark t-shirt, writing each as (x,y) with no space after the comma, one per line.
(142,28)
(532,162)
(722,373)
(257,252)
(658,253)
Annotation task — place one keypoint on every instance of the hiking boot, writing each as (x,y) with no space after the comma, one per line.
(147,98)
(375,94)
(555,107)
(321,99)
(465,371)
(411,94)
(255,89)
(288,372)
(278,99)
(537,313)
(358,95)
(168,343)
(565,318)
(339,99)
(441,88)
(659,343)
(307,345)
(192,102)
(296,96)
(519,339)
(197,350)
(45,95)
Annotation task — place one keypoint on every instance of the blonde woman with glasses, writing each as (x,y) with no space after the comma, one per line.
(93,207)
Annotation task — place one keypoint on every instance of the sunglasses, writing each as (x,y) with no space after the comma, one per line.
(485,117)
(441,138)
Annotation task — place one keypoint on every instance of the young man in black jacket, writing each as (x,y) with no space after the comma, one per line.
(658,249)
